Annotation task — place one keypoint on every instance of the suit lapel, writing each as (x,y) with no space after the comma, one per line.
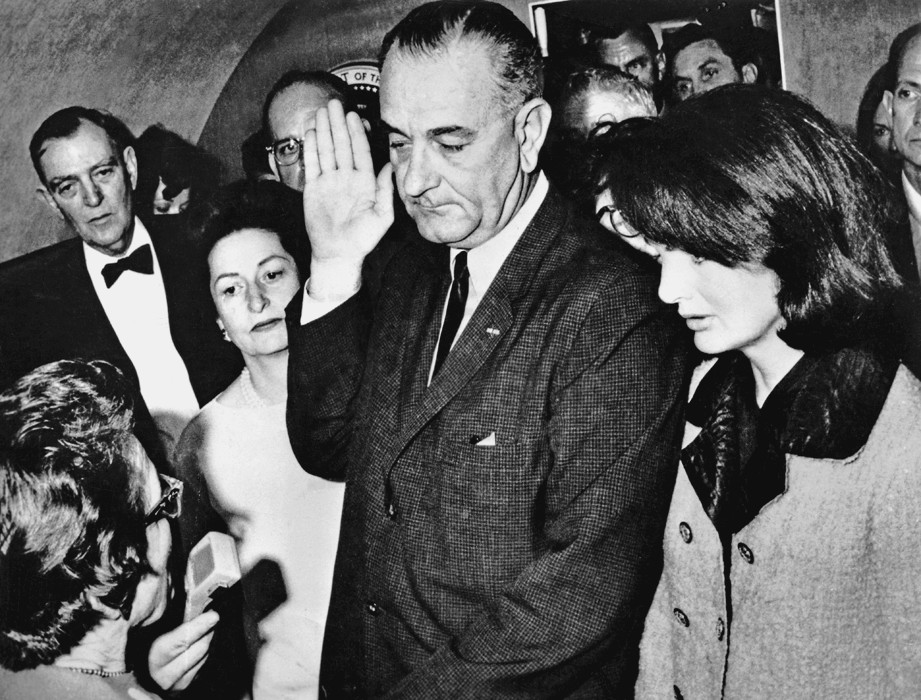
(487,327)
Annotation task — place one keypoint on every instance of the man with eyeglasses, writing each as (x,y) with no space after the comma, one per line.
(289,112)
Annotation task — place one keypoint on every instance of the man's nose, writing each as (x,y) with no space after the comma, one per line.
(92,194)
(418,176)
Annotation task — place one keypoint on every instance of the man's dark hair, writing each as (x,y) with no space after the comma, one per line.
(593,35)
(691,33)
(745,174)
(431,28)
(897,52)
(66,122)
(71,508)
(334,86)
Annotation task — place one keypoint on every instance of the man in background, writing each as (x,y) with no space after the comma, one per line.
(631,48)
(121,291)
(698,59)
(289,112)
(904,103)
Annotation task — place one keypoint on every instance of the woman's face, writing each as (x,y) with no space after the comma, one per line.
(882,132)
(727,308)
(252,280)
(176,205)
(153,591)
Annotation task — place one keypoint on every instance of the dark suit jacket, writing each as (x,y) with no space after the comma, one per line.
(49,311)
(522,569)
(907,332)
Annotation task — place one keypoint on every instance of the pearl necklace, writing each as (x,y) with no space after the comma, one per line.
(250,397)
(95,671)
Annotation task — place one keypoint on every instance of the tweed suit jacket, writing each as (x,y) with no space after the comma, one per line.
(49,311)
(521,567)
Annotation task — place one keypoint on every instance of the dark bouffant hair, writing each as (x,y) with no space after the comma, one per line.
(268,206)
(751,175)
(71,508)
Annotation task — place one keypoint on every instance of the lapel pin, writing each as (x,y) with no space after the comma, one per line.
(492,331)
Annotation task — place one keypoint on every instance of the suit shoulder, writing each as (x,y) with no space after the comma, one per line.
(55,265)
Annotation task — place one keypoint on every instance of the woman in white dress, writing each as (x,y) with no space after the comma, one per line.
(235,456)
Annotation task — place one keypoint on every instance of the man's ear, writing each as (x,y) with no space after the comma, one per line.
(46,197)
(660,62)
(749,73)
(531,124)
(131,165)
(887,101)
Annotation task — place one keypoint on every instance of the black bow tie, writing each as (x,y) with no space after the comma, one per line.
(140,260)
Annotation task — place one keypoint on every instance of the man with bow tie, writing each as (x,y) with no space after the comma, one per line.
(121,291)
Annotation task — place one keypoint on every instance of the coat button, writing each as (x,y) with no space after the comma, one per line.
(681,617)
(685,531)
(720,629)
(372,608)
(391,511)
(746,552)
(474,439)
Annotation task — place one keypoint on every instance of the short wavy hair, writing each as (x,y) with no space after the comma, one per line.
(65,122)
(71,508)
(431,28)
(745,174)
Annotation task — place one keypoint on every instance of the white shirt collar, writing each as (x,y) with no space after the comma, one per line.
(96,260)
(486,259)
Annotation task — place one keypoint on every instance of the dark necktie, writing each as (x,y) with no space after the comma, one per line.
(457,300)
(140,260)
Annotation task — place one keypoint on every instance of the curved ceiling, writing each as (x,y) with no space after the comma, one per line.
(192,63)
(154,61)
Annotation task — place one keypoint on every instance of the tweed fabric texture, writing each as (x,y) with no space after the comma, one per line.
(521,568)
(824,581)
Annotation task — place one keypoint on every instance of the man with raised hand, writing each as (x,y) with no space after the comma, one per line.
(504,402)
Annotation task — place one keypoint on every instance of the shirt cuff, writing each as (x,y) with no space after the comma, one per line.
(312,309)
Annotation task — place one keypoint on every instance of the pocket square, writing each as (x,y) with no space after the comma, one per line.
(488,441)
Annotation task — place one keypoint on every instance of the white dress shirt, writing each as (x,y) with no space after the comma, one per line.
(913,197)
(136,307)
(483,263)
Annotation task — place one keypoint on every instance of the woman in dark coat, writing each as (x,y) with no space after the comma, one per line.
(792,541)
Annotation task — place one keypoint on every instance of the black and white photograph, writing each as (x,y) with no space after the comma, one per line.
(460,350)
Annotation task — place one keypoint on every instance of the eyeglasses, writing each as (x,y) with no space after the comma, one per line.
(170,503)
(619,225)
(286,151)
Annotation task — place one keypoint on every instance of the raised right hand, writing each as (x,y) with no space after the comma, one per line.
(347,210)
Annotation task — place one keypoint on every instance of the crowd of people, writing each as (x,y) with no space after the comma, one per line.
(600,388)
